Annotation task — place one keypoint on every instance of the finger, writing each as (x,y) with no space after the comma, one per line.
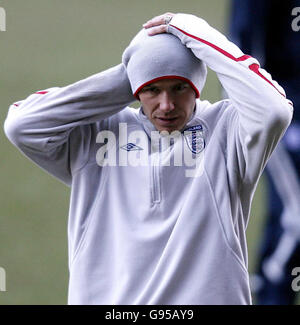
(157,30)
(156,21)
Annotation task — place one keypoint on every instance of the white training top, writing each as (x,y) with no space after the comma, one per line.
(157,234)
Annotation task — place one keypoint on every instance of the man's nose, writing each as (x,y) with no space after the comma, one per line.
(166,103)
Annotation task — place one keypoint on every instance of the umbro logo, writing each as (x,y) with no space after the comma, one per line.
(131,147)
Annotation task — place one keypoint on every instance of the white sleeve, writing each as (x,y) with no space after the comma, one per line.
(262,112)
(40,126)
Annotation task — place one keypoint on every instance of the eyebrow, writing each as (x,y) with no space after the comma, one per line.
(157,85)
(149,86)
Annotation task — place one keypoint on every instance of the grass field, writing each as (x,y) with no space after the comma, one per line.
(55,43)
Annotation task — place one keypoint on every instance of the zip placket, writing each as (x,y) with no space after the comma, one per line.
(155,172)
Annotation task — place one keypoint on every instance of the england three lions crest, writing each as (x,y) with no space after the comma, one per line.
(194,138)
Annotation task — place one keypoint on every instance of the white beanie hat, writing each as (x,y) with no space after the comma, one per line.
(162,56)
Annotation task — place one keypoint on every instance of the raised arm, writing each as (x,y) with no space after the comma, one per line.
(261,111)
(40,126)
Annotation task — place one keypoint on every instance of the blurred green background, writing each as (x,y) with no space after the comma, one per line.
(55,43)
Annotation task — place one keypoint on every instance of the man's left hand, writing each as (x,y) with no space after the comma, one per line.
(158,24)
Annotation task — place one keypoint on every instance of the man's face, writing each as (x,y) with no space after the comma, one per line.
(168,103)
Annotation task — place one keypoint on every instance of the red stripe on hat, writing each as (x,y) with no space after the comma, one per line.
(167,77)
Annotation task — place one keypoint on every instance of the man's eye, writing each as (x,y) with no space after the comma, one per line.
(154,89)
(180,87)
(151,90)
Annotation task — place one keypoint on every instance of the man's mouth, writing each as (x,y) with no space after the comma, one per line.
(166,120)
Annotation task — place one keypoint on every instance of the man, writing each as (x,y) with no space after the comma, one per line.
(156,232)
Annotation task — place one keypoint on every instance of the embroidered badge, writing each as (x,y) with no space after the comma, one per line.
(194,138)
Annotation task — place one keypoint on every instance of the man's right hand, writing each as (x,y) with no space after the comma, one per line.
(158,24)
